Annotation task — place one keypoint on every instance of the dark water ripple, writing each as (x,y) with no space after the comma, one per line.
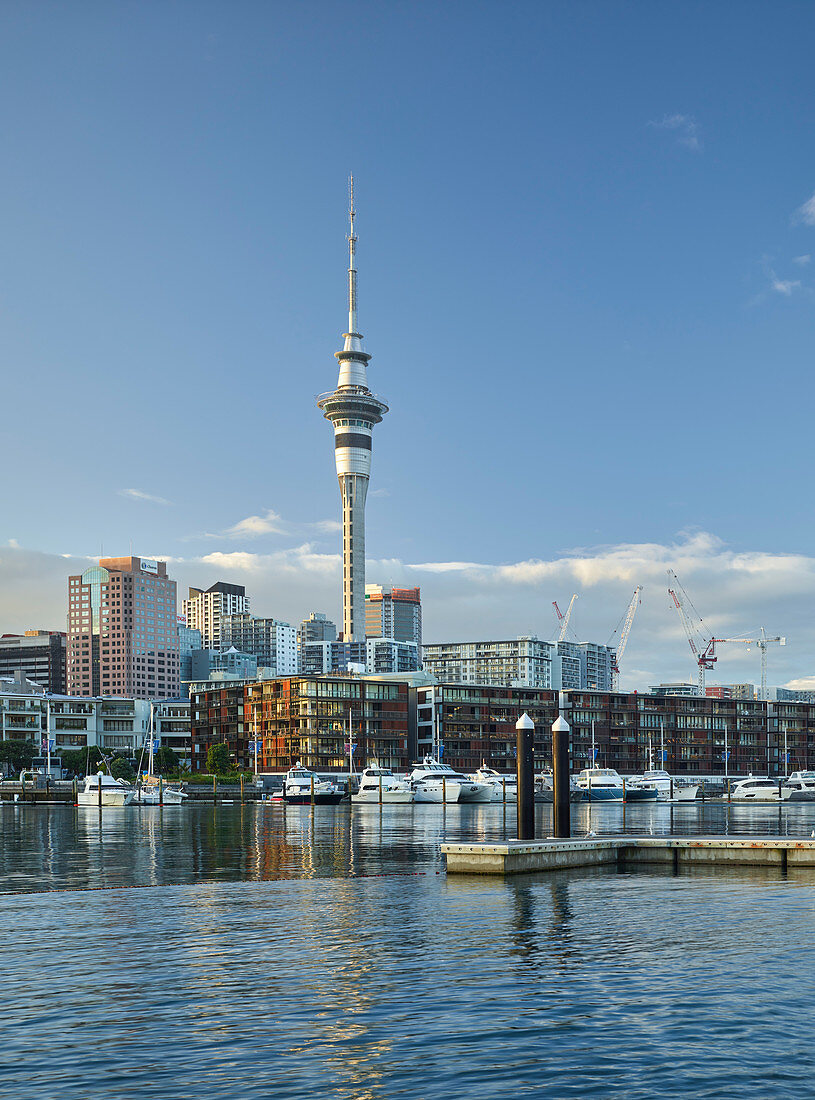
(280,954)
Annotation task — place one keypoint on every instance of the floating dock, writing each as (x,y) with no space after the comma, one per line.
(514,857)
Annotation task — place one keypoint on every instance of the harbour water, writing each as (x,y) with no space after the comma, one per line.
(261,950)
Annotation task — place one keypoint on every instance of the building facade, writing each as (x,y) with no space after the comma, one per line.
(122,630)
(596,666)
(204,609)
(40,654)
(394,613)
(475,723)
(273,642)
(353,411)
(523,661)
(306,719)
(75,722)
(395,720)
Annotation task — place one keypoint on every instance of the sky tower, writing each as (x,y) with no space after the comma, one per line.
(353,410)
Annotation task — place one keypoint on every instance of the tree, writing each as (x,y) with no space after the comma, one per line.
(81,761)
(121,768)
(218,761)
(166,760)
(17,754)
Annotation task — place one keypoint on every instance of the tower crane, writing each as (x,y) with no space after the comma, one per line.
(564,619)
(626,630)
(762,644)
(702,646)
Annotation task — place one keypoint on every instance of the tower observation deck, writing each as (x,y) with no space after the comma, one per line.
(353,410)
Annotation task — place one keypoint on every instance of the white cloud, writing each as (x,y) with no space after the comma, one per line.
(806,212)
(784,286)
(684,126)
(139,494)
(802,261)
(379,493)
(736,591)
(326,526)
(270,523)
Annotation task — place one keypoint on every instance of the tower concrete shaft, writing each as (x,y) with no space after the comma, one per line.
(353,410)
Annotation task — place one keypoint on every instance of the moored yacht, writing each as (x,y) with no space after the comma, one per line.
(759,789)
(301,785)
(639,789)
(436,782)
(656,777)
(801,786)
(114,792)
(503,788)
(380,785)
(600,785)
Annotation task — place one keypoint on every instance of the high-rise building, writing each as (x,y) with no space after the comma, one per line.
(393,613)
(204,610)
(316,628)
(40,654)
(517,662)
(122,630)
(273,642)
(596,666)
(353,410)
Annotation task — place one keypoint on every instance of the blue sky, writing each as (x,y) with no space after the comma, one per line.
(585,281)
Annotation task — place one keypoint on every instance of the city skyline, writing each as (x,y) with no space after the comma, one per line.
(621,302)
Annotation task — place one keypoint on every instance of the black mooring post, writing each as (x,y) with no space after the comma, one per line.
(525,744)
(561,811)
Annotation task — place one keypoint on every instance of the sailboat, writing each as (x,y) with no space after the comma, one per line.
(152,791)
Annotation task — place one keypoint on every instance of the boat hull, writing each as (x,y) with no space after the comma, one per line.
(320,799)
(109,798)
(436,793)
(602,794)
(169,797)
(371,798)
(634,794)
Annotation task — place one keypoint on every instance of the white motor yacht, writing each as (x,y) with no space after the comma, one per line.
(682,790)
(115,792)
(435,782)
(600,785)
(758,789)
(504,788)
(801,786)
(380,785)
(301,785)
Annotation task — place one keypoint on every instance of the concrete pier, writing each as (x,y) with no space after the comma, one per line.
(513,857)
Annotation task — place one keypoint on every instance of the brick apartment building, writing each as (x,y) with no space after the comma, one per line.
(392,721)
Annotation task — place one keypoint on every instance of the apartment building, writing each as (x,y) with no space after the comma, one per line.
(273,642)
(392,612)
(204,609)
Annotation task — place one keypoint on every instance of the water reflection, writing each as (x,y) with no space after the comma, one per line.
(58,847)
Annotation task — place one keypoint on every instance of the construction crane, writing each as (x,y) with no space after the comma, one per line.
(564,619)
(702,646)
(626,630)
(762,644)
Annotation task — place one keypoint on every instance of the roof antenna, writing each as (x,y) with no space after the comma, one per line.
(352,272)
